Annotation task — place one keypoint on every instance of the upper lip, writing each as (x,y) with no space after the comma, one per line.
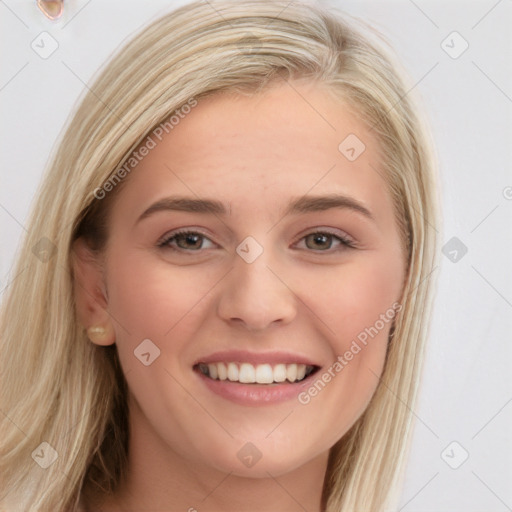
(244,356)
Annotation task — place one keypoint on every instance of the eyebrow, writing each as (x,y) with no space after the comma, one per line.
(304,204)
(307,204)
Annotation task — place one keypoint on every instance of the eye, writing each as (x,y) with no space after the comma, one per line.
(324,241)
(185,241)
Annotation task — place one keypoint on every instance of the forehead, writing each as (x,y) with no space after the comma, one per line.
(288,140)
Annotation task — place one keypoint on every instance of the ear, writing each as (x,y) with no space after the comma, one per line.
(90,294)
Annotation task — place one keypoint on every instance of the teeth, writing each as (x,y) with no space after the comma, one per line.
(260,374)
(232,372)
(222,371)
(280,372)
(264,374)
(291,372)
(212,370)
(246,374)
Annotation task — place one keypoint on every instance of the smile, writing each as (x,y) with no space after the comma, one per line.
(248,373)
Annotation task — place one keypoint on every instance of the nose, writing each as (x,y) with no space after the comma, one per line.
(255,296)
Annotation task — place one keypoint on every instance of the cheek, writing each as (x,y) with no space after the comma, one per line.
(150,299)
(355,301)
(351,298)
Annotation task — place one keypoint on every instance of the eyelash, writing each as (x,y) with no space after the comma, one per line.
(345,242)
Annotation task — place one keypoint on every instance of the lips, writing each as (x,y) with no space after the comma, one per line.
(255,378)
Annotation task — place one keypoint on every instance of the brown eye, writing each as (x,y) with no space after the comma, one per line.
(186,241)
(319,241)
(189,241)
(323,241)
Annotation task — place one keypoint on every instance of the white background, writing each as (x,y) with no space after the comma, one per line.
(467,388)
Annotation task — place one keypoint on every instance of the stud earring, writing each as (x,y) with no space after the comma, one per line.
(98,334)
(52,9)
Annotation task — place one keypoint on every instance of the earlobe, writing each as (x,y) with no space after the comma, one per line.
(90,294)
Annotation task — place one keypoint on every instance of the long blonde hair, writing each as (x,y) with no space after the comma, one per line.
(58,387)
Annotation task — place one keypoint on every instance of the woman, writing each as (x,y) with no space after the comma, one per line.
(223,297)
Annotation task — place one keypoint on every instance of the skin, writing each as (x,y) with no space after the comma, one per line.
(255,154)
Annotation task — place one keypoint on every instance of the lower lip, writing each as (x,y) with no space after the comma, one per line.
(256,394)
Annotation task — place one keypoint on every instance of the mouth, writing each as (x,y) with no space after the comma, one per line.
(248,373)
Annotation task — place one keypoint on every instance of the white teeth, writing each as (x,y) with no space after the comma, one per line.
(260,374)
(222,371)
(279,373)
(291,372)
(246,374)
(232,371)
(264,374)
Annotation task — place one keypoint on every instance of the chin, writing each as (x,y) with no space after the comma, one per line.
(259,460)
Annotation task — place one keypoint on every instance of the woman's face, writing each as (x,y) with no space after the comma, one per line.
(291,261)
